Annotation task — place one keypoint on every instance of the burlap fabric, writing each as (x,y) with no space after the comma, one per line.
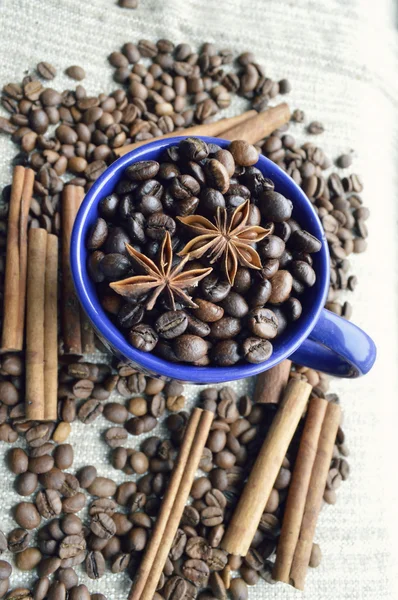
(341,57)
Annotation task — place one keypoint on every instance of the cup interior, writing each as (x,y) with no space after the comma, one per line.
(312,300)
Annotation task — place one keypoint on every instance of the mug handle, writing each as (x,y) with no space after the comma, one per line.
(337,347)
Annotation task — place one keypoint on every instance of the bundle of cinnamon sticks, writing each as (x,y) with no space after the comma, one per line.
(16,260)
(173,503)
(41,326)
(306,491)
(78,335)
(249,126)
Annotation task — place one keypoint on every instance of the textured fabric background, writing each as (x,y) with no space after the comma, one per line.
(341,56)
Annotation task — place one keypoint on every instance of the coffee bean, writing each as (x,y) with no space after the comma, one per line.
(48,503)
(275,207)
(26,515)
(171,324)
(143,337)
(212,516)
(63,456)
(86,476)
(102,487)
(303,272)
(189,348)
(263,323)
(74,504)
(196,571)
(18,461)
(197,548)
(26,484)
(243,153)
(75,72)
(71,546)
(103,526)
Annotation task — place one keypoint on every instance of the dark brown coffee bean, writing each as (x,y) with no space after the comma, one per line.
(86,476)
(225,328)
(244,154)
(143,337)
(178,546)
(71,525)
(196,571)
(89,411)
(263,323)
(212,516)
(26,484)
(26,515)
(171,324)
(198,548)
(71,546)
(74,504)
(48,503)
(103,526)
(256,350)
(189,348)
(102,487)
(63,456)
(18,461)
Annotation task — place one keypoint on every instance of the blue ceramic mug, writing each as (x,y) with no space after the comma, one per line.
(319,339)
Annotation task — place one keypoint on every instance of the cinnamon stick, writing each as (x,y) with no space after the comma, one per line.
(11,339)
(299,488)
(50,330)
(258,127)
(23,249)
(271,384)
(71,309)
(37,249)
(211,129)
(314,499)
(195,455)
(253,500)
(167,504)
(86,329)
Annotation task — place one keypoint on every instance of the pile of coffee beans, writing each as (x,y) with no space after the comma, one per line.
(253,259)
(180,87)
(337,201)
(62,134)
(53,538)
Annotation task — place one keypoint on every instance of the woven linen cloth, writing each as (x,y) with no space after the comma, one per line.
(341,57)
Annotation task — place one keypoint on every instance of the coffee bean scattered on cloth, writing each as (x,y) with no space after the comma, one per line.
(341,89)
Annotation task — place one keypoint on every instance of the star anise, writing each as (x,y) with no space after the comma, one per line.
(159,278)
(228,237)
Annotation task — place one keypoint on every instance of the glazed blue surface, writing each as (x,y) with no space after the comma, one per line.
(334,345)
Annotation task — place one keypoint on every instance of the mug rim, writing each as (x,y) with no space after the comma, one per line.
(147,360)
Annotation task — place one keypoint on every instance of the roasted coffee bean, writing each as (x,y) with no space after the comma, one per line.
(189,348)
(212,516)
(89,411)
(263,323)
(235,305)
(103,526)
(18,540)
(175,588)
(26,484)
(281,284)
(303,272)
(48,503)
(143,337)
(244,154)
(171,324)
(197,548)
(63,456)
(26,515)
(95,565)
(74,504)
(18,461)
(102,487)
(75,72)
(71,546)
(274,206)
(303,241)
(196,571)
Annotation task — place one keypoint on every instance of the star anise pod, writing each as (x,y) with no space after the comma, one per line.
(159,278)
(228,237)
